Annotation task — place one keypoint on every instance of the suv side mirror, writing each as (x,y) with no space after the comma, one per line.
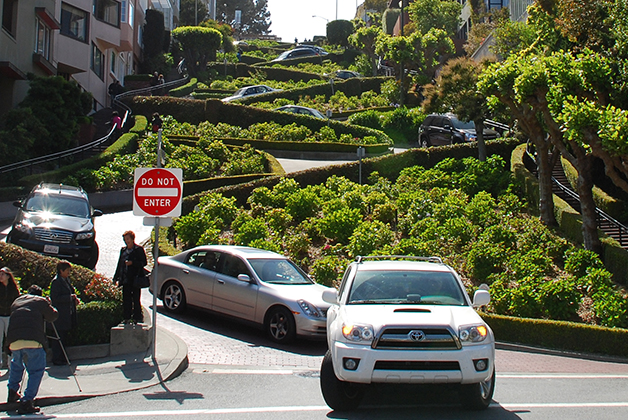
(330,296)
(96,213)
(481,298)
(17,204)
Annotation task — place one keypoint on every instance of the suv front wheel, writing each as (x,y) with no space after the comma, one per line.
(424,141)
(478,396)
(339,395)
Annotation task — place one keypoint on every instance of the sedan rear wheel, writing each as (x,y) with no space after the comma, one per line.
(174,297)
(280,325)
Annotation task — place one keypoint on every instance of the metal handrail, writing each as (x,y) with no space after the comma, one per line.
(600,214)
(96,143)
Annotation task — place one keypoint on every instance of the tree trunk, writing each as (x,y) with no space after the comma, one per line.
(544,163)
(590,234)
(479,131)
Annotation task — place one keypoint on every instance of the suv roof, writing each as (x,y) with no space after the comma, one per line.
(401,263)
(61,189)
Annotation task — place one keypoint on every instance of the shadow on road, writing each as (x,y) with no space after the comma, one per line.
(418,401)
(244,331)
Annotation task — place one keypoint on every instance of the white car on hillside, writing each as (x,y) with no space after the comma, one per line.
(405,320)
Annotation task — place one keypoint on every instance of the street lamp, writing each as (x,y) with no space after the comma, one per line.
(321,18)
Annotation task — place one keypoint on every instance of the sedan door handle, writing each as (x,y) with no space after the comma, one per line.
(221,281)
(186,271)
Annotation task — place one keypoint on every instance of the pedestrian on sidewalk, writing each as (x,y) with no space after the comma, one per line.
(8,293)
(130,264)
(63,298)
(27,341)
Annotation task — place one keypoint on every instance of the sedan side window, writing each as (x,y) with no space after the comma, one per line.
(233,266)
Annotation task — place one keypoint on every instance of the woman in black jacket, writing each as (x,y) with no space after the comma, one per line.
(63,298)
(8,293)
(131,263)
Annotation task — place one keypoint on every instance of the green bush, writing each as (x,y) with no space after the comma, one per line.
(328,270)
(95,320)
(369,118)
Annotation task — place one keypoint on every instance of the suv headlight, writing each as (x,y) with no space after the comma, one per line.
(473,333)
(23,227)
(310,310)
(358,333)
(85,235)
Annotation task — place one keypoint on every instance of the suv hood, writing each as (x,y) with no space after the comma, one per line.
(56,221)
(410,315)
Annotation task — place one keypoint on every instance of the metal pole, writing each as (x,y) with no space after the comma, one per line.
(155,261)
(196,13)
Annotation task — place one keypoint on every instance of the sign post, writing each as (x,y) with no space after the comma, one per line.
(157,194)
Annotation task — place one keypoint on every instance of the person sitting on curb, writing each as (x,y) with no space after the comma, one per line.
(27,341)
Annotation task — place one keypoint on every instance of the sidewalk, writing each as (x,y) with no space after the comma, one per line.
(98,376)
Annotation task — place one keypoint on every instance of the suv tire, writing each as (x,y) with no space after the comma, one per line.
(424,141)
(93,258)
(478,396)
(339,395)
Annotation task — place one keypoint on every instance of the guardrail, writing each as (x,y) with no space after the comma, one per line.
(117,101)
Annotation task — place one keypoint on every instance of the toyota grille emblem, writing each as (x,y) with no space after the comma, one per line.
(416,335)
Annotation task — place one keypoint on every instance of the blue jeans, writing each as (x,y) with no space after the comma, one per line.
(34,360)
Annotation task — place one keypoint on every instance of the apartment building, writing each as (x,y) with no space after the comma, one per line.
(92,42)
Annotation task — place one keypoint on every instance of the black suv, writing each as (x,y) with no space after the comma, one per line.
(445,129)
(57,220)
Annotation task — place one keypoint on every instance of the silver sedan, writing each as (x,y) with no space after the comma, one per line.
(247,283)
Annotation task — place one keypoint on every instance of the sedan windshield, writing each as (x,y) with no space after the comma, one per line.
(406,287)
(279,271)
(57,205)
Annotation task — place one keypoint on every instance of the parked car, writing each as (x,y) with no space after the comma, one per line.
(247,91)
(445,129)
(296,53)
(246,283)
(346,74)
(57,220)
(302,110)
(319,50)
(406,320)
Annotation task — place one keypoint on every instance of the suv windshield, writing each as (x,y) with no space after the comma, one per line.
(57,205)
(405,287)
(463,125)
(279,271)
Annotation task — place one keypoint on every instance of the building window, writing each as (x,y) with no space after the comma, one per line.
(108,11)
(98,62)
(42,40)
(123,8)
(74,22)
(131,12)
(112,62)
(9,16)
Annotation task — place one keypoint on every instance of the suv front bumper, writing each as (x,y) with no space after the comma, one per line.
(413,366)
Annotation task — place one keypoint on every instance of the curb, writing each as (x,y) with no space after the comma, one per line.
(561,353)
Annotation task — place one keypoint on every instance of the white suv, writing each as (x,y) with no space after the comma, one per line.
(399,319)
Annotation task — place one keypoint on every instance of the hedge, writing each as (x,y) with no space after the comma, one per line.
(195,111)
(559,335)
(184,90)
(614,256)
(350,87)
(371,149)
(272,73)
(95,318)
(387,166)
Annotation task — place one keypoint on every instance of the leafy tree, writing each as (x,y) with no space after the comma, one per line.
(512,37)
(198,44)
(46,121)
(225,30)
(192,12)
(389,19)
(435,14)
(364,40)
(255,15)
(338,32)
(377,5)
(153,36)
(456,91)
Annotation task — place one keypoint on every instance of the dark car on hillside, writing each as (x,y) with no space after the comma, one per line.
(57,220)
(297,53)
(445,129)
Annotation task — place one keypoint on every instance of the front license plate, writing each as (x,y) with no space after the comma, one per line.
(51,249)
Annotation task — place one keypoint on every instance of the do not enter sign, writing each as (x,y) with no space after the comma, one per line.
(157,192)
